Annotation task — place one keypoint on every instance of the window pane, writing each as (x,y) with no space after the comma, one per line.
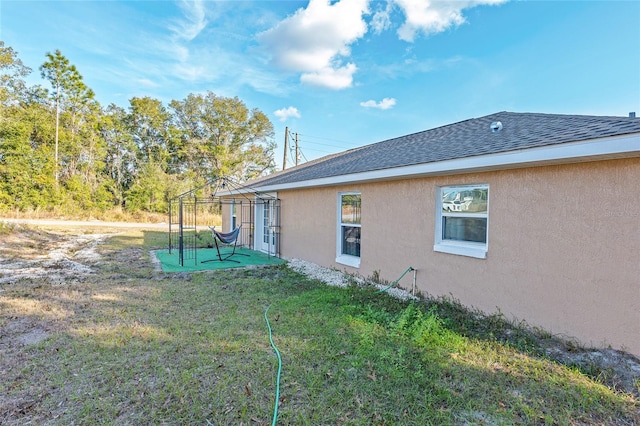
(465,200)
(464,229)
(350,208)
(351,240)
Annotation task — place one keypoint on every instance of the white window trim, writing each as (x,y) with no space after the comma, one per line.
(347,260)
(344,259)
(462,248)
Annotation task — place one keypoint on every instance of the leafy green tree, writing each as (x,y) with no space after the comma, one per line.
(84,150)
(149,190)
(221,137)
(80,150)
(12,73)
(121,152)
(26,180)
(69,92)
(150,126)
(92,158)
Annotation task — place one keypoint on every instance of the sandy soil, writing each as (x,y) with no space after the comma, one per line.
(85,224)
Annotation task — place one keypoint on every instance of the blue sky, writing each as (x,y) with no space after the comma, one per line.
(345,73)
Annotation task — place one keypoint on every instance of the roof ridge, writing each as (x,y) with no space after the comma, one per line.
(466,138)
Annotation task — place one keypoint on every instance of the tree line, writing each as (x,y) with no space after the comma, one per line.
(61,151)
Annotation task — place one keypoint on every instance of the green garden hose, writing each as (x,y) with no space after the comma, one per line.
(410,268)
(275,349)
(275,405)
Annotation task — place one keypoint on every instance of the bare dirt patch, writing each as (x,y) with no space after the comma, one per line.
(58,259)
(42,286)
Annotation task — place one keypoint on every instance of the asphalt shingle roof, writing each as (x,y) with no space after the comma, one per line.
(464,139)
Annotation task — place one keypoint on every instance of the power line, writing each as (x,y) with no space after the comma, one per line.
(304,156)
(322,151)
(327,139)
(291,155)
(307,142)
(324,144)
(293,151)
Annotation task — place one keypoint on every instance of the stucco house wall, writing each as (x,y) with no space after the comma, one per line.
(563,244)
(227,215)
(244,212)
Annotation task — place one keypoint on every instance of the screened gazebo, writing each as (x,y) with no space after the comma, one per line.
(224,205)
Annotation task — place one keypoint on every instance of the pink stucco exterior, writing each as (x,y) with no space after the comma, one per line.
(563,244)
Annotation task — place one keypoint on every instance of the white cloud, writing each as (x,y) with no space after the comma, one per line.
(194,21)
(381,20)
(331,78)
(431,17)
(386,103)
(190,72)
(314,41)
(147,83)
(284,113)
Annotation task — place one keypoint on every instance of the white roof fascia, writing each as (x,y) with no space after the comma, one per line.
(624,146)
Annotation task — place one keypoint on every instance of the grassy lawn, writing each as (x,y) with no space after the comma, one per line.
(131,345)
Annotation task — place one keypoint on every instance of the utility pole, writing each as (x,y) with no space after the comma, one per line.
(297,150)
(286,147)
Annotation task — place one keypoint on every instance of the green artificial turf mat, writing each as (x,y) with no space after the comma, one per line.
(243,257)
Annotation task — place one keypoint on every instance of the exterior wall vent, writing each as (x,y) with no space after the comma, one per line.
(496,126)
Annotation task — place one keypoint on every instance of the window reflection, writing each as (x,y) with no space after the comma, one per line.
(467,200)
(351,207)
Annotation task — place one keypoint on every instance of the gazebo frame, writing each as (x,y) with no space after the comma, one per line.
(236,204)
